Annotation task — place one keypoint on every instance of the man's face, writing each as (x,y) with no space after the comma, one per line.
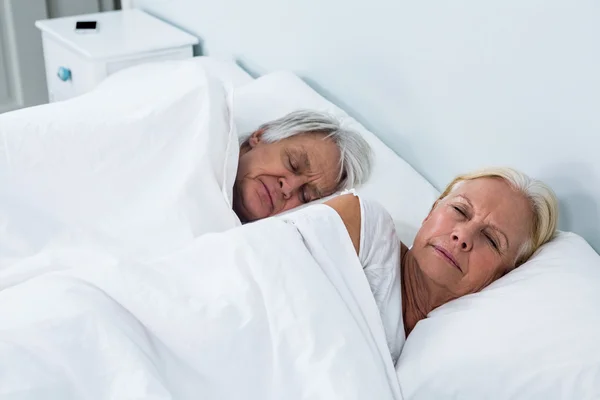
(279,176)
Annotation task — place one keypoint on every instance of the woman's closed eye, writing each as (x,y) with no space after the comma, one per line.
(492,241)
(460,211)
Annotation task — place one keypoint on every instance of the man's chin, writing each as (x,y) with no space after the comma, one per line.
(250,216)
(239,210)
(246,214)
(245,209)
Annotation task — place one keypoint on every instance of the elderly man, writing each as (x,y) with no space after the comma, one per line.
(301,157)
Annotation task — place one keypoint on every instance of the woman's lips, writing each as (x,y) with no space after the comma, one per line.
(447,256)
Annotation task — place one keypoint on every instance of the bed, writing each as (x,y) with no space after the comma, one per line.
(122,275)
(531,334)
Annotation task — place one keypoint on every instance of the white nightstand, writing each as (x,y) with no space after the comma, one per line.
(77,62)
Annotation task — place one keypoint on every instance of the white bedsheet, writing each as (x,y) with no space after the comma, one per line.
(271,310)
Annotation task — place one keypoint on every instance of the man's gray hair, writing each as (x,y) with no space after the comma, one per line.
(355,152)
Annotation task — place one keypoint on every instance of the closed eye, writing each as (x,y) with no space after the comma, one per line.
(492,241)
(304,196)
(293,165)
(460,211)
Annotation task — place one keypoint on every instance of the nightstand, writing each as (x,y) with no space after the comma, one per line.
(77,62)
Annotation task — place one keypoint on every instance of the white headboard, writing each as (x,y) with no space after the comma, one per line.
(450,86)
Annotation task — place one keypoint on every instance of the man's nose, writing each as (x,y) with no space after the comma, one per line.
(463,235)
(289,185)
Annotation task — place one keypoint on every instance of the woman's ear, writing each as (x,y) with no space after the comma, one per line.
(255,138)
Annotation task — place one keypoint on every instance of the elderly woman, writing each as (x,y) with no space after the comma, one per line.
(484,225)
(301,157)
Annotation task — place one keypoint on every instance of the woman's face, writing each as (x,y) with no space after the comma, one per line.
(473,236)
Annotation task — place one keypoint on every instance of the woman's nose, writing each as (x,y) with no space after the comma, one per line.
(464,238)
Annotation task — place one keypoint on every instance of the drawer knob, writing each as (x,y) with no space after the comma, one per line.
(64,74)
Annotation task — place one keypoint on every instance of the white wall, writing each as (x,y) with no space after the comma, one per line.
(450,86)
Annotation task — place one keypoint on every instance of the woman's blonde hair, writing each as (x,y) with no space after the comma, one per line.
(542,199)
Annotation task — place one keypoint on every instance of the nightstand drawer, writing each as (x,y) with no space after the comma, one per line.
(67,73)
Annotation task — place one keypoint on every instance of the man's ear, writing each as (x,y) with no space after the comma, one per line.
(255,138)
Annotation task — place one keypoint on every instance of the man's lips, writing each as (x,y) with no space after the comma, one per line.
(269,196)
(448,256)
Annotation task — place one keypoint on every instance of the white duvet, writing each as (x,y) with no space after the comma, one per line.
(144,163)
(272,310)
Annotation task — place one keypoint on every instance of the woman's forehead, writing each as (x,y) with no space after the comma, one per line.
(483,186)
(498,201)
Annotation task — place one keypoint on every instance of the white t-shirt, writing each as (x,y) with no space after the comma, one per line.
(379,254)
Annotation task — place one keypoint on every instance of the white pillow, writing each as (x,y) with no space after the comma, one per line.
(393,183)
(534,334)
(146,161)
